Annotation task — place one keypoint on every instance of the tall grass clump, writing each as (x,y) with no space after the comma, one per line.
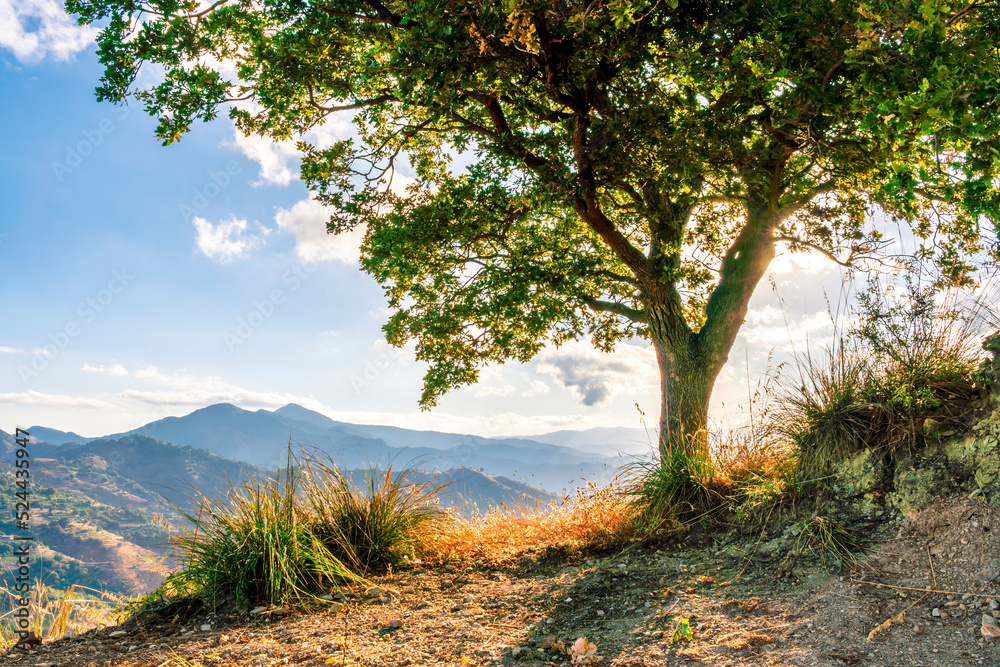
(372,524)
(307,528)
(663,489)
(909,352)
(257,543)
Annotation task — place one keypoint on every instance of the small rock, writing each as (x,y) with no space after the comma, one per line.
(206,627)
(410,590)
(953,603)
(327,597)
(457,607)
(990,630)
(336,607)
(375,592)
(395,623)
(517,652)
(447,583)
(936,612)
(420,605)
(117,633)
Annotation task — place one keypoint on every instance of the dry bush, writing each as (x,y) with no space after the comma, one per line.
(595,517)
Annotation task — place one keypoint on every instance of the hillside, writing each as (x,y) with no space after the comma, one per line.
(94,505)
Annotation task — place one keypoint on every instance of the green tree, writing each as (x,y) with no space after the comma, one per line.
(632,165)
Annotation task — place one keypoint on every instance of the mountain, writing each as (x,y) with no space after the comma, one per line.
(607,441)
(55,436)
(261,438)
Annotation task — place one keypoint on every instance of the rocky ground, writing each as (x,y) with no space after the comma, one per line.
(922,595)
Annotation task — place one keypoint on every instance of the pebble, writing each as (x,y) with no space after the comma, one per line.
(936,612)
(517,652)
(206,627)
(375,592)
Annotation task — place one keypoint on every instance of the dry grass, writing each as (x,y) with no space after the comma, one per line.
(55,614)
(595,517)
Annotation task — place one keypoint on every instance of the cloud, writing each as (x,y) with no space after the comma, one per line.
(537,387)
(227,240)
(492,390)
(34,30)
(117,370)
(307,222)
(10,350)
(278,159)
(186,390)
(274,158)
(51,400)
(596,377)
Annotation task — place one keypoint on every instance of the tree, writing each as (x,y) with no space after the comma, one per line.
(632,165)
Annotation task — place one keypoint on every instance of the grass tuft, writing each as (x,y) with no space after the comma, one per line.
(308,528)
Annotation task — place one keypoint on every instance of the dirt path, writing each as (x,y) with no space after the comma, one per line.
(742,610)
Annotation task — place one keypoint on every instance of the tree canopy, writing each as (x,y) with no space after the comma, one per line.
(628,167)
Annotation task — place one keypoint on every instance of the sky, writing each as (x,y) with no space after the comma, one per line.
(141,281)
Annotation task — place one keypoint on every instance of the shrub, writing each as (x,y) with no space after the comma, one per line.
(908,353)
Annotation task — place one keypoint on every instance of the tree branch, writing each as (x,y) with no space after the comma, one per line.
(633,314)
(348,107)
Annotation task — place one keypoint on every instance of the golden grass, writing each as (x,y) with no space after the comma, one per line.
(53,614)
(595,517)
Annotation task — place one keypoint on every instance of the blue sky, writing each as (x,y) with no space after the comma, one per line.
(141,281)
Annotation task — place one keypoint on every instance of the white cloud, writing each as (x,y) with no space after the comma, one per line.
(10,350)
(227,240)
(186,390)
(492,390)
(278,159)
(51,400)
(37,29)
(275,158)
(595,376)
(307,221)
(117,370)
(537,387)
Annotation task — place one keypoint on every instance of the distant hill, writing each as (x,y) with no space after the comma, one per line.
(261,439)
(55,436)
(607,441)
(93,504)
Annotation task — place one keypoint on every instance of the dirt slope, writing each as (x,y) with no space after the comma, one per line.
(742,610)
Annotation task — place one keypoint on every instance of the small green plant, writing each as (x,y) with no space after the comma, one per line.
(665,488)
(682,631)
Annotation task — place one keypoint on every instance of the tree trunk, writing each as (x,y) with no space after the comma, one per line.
(689,362)
(686,382)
